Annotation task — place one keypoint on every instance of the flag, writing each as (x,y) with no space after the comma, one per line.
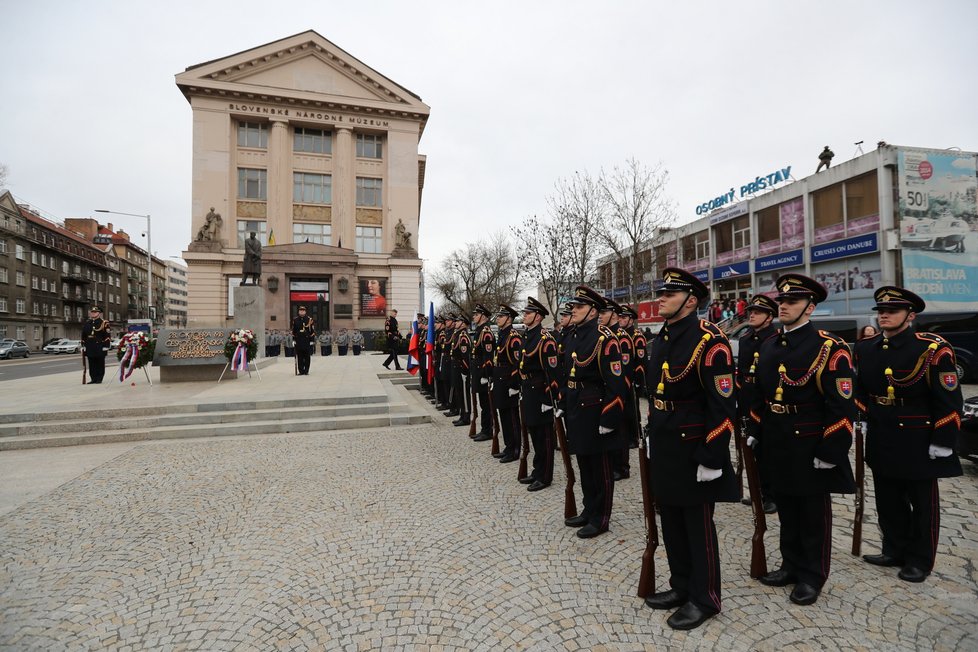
(412,361)
(271,237)
(429,346)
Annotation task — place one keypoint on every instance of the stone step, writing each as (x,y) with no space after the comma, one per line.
(176,418)
(251,427)
(190,408)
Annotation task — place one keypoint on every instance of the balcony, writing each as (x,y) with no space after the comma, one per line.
(74,278)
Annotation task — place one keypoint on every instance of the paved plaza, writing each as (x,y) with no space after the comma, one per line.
(405,538)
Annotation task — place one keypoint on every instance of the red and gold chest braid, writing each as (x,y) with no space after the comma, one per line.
(666,377)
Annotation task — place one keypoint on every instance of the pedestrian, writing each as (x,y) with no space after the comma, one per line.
(538,384)
(483,348)
(691,413)
(594,401)
(95,344)
(802,417)
(506,383)
(867,332)
(304,337)
(760,318)
(909,393)
(393,336)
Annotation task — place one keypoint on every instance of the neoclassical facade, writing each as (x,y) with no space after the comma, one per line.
(317,154)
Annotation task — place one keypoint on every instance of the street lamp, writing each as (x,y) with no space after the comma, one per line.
(149,246)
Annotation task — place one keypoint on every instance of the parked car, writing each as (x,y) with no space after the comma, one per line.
(968,446)
(64,346)
(14,349)
(51,342)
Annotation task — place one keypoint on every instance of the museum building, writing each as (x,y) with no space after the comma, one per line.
(317,154)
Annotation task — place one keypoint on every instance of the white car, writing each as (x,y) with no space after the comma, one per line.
(63,346)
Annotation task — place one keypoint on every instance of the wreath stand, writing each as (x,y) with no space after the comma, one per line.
(247,368)
(146,373)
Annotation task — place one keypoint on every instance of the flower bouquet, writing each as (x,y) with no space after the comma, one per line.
(135,351)
(240,349)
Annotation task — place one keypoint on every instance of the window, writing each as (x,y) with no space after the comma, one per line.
(22,332)
(21,306)
(252,134)
(769,224)
(828,206)
(37,308)
(723,237)
(3,275)
(252,184)
(369,146)
(47,310)
(3,304)
(44,260)
(3,245)
(54,287)
(369,192)
(35,282)
(3,330)
(314,141)
(34,258)
(19,251)
(37,332)
(703,244)
(20,279)
(862,198)
(318,233)
(64,267)
(741,232)
(245,227)
(368,239)
(67,312)
(312,188)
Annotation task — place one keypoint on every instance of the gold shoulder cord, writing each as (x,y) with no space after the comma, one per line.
(665,376)
(919,371)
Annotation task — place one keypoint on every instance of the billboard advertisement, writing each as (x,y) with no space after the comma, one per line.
(373,297)
(939,226)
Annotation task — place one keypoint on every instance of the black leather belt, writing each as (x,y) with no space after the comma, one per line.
(669,406)
(886,400)
(580,384)
(788,408)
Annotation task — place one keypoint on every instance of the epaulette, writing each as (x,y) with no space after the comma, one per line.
(931,337)
(712,329)
(832,337)
(604,330)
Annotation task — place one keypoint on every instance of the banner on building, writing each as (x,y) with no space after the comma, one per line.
(373,297)
(939,226)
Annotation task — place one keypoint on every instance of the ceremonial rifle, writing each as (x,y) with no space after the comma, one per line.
(857,521)
(570,504)
(474,412)
(740,468)
(646,579)
(495,424)
(524,444)
(84,365)
(758,557)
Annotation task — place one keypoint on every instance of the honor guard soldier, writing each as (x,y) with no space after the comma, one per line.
(562,326)
(453,326)
(422,355)
(909,391)
(483,349)
(393,335)
(594,402)
(442,343)
(760,316)
(691,419)
(95,343)
(461,352)
(506,383)
(538,372)
(802,414)
(608,317)
(304,334)
(633,345)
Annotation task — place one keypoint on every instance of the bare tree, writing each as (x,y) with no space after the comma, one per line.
(3,175)
(577,207)
(487,271)
(543,251)
(638,209)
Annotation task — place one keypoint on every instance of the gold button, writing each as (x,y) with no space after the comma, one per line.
(683,435)
(926,423)
(783,343)
(885,346)
(901,425)
(797,432)
(666,338)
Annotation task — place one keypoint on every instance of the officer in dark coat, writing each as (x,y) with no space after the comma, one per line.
(393,336)
(95,343)
(441,337)
(691,419)
(449,365)
(909,391)
(594,402)
(483,348)
(760,314)
(461,358)
(632,344)
(506,383)
(802,414)
(538,374)
(304,334)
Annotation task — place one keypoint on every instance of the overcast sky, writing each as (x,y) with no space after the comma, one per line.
(521,94)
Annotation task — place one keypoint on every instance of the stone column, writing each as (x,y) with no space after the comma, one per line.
(344,189)
(280,182)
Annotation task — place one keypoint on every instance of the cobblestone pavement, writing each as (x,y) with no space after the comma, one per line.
(413,538)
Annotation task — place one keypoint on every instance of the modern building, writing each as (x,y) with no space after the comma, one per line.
(176,295)
(896,215)
(316,153)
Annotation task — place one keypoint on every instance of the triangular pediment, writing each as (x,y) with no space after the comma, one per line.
(305,68)
(7,202)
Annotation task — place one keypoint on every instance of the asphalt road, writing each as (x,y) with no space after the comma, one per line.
(40,364)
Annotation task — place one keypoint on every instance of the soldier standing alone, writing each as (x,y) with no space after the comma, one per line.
(95,342)
(304,335)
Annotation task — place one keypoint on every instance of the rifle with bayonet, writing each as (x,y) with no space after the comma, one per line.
(646,579)
(570,503)
(758,557)
(857,521)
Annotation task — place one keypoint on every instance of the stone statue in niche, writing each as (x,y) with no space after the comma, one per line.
(402,237)
(211,228)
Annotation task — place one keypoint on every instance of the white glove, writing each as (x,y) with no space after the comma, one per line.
(939,451)
(514,392)
(752,442)
(604,431)
(558,413)
(706,474)
(819,464)
(483,381)
(546,408)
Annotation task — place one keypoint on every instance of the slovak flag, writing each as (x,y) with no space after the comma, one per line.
(412,361)
(429,345)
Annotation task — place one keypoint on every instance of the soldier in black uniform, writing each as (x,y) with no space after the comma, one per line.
(452,328)
(483,348)
(304,333)
(393,336)
(908,389)
(691,419)
(506,383)
(95,343)
(594,400)
(441,337)
(760,315)
(538,372)
(627,319)
(461,359)
(802,415)
(563,325)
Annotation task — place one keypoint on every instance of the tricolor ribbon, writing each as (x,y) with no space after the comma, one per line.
(239,360)
(128,363)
